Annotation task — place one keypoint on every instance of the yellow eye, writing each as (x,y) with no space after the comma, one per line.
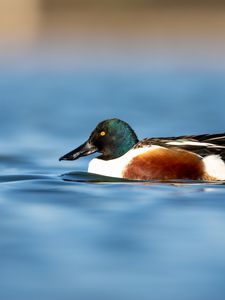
(102,133)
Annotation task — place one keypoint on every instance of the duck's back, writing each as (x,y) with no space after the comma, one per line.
(184,157)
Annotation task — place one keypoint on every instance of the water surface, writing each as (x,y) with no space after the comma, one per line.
(71,235)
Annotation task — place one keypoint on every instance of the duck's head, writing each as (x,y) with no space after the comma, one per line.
(112,138)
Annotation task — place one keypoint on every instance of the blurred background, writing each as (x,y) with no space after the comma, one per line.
(143,33)
(66,65)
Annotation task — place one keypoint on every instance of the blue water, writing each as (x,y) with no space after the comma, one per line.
(65,234)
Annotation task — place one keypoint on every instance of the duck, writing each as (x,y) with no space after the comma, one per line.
(123,155)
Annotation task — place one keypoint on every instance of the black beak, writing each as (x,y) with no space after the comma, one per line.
(85,149)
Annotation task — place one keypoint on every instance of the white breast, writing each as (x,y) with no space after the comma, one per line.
(115,167)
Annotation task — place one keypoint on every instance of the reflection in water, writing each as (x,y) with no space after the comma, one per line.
(91,177)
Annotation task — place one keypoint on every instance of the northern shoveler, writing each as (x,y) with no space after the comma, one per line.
(195,157)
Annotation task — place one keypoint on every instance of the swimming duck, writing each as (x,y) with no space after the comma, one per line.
(195,157)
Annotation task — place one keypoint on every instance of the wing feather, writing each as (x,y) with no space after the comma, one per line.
(203,145)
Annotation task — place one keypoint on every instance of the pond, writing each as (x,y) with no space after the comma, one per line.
(78,236)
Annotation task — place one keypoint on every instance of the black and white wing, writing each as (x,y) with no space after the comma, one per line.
(203,145)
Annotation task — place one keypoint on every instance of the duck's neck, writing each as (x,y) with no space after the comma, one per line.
(120,147)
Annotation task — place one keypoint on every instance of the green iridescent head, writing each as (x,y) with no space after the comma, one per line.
(112,138)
